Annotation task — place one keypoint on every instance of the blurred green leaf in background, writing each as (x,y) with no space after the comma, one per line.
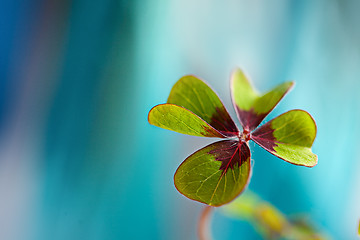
(269,221)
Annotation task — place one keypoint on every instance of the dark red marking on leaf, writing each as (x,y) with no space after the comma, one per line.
(249,119)
(231,154)
(213,132)
(222,122)
(264,136)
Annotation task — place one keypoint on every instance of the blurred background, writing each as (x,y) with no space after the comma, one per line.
(78,159)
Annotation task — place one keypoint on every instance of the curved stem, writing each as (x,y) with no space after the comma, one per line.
(204,224)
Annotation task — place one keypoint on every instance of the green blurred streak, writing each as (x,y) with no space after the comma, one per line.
(270,222)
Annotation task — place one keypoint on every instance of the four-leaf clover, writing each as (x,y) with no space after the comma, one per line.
(219,172)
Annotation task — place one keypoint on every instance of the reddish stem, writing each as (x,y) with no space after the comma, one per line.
(204,224)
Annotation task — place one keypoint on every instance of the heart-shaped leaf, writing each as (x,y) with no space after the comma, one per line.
(195,95)
(179,119)
(215,174)
(251,107)
(289,137)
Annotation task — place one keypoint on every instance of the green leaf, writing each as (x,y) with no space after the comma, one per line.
(243,207)
(195,95)
(179,119)
(250,106)
(289,137)
(269,221)
(266,219)
(215,174)
(303,228)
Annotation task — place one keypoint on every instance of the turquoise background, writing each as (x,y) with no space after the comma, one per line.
(78,159)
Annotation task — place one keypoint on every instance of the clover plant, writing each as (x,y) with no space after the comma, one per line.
(219,172)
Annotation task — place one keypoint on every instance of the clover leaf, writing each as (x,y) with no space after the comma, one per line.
(219,172)
(269,221)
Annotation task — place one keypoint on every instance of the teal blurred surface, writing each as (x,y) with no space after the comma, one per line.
(78,159)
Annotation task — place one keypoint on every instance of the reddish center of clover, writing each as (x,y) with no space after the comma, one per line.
(245,136)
